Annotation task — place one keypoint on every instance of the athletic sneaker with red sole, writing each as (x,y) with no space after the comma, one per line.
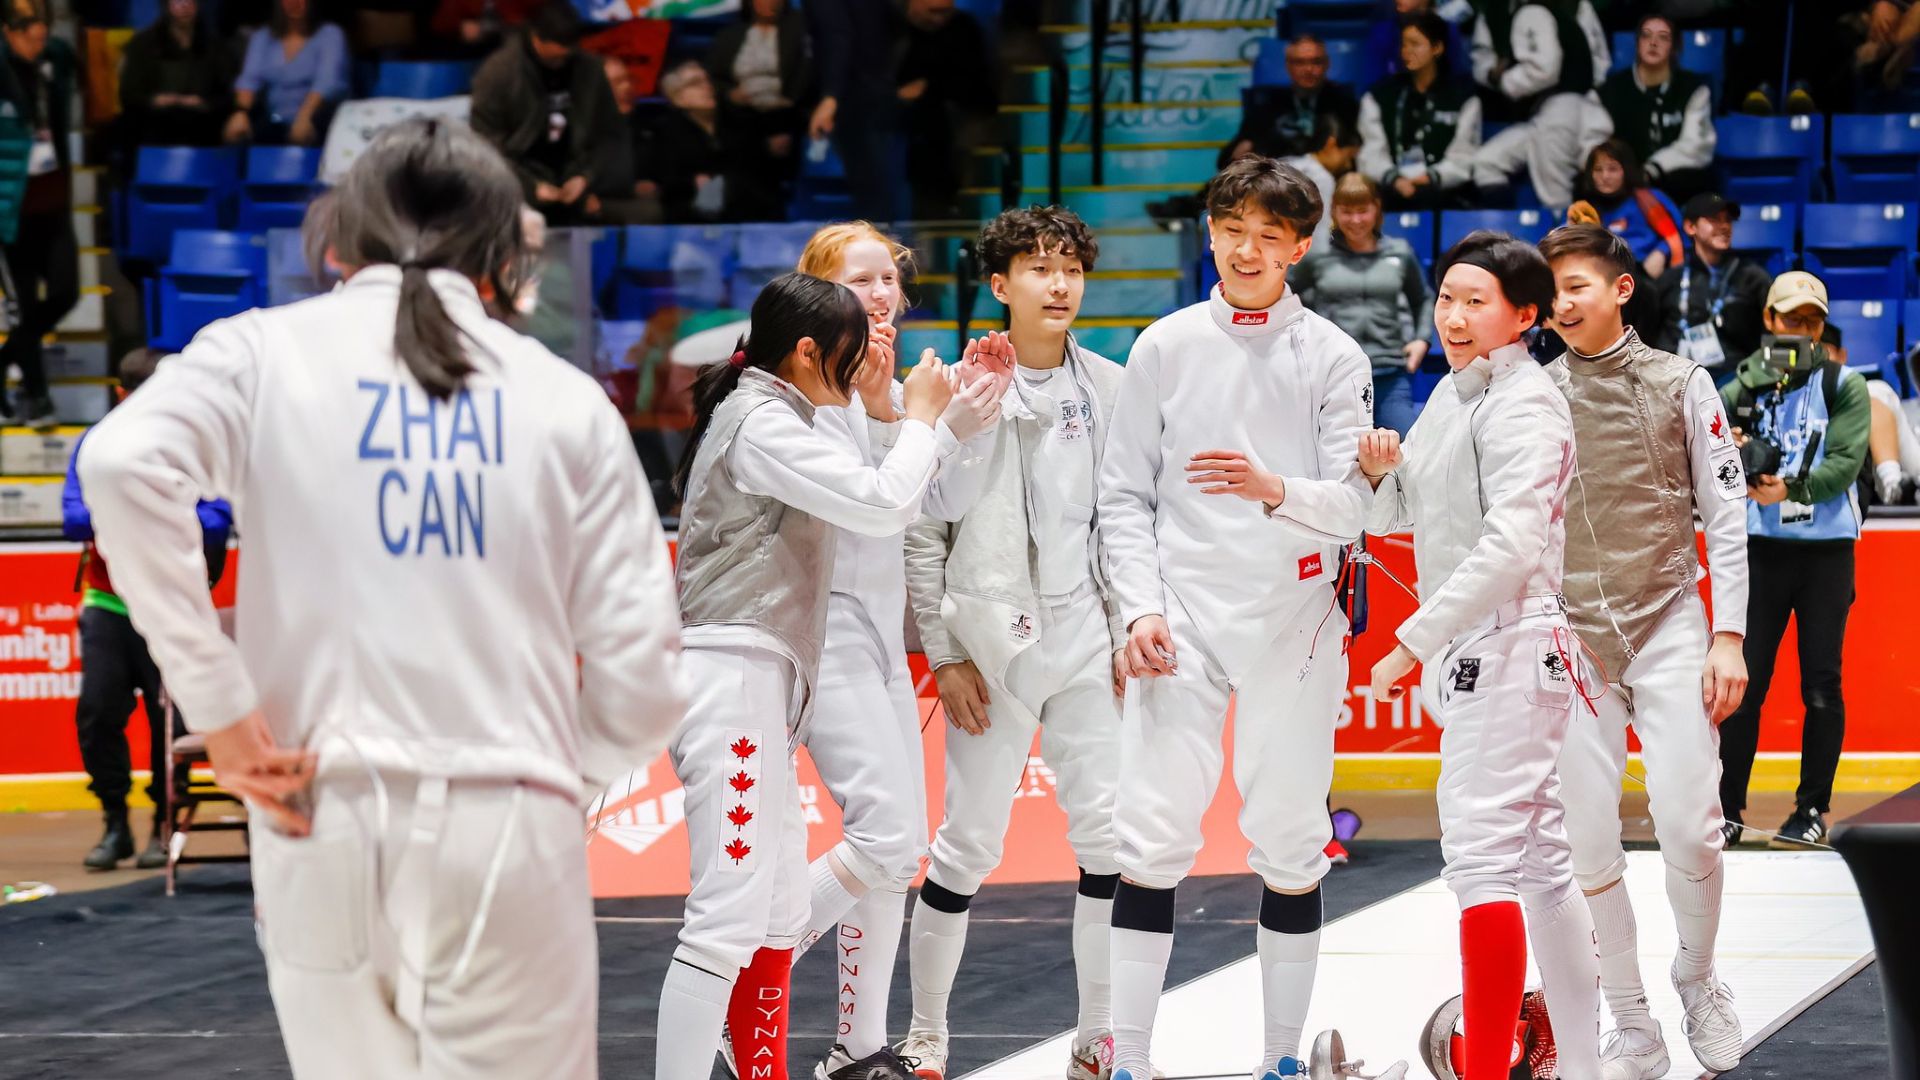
(1337,853)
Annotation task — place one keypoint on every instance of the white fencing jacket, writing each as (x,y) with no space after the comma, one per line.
(473,589)
(1293,392)
(1484,488)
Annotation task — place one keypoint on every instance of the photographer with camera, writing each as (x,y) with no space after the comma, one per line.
(1801,421)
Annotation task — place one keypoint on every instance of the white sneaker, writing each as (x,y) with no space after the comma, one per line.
(1093,1059)
(928,1051)
(1634,1053)
(1713,1030)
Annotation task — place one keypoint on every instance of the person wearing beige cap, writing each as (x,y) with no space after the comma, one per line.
(1801,421)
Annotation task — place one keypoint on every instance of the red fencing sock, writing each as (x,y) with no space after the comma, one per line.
(1493,962)
(757,1015)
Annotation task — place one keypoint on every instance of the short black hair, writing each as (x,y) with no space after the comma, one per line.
(1523,273)
(137,367)
(1331,125)
(1032,231)
(1431,26)
(1277,189)
(1589,241)
(557,23)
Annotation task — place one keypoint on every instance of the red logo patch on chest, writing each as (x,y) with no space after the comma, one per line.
(1309,567)
(1250,318)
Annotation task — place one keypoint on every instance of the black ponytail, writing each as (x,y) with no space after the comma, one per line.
(428,196)
(791,307)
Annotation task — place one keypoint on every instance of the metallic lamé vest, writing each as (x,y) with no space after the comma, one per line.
(1635,486)
(749,560)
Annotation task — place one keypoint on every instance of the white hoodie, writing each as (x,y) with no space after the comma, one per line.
(473,589)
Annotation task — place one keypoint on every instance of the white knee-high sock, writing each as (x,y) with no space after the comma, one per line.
(936,942)
(868,944)
(1696,915)
(1093,963)
(693,1006)
(1139,975)
(830,900)
(1561,931)
(1287,965)
(1618,938)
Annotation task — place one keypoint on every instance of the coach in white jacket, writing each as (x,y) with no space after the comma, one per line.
(456,619)
(1228,487)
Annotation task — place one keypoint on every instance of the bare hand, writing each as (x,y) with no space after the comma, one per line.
(239,128)
(1230,472)
(545,192)
(780,145)
(1415,352)
(571,191)
(1405,187)
(471,31)
(1767,490)
(821,124)
(974,409)
(1387,674)
(992,357)
(644,189)
(1241,149)
(302,132)
(914,90)
(1149,652)
(875,379)
(1723,684)
(963,691)
(1379,454)
(1121,672)
(928,390)
(247,763)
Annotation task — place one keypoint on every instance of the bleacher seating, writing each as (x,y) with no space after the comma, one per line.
(1416,227)
(279,182)
(1876,158)
(422,80)
(1769,233)
(767,251)
(1769,159)
(1328,18)
(1870,330)
(176,187)
(1862,251)
(1529,225)
(210,274)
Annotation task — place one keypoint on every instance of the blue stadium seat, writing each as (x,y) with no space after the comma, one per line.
(769,250)
(1416,228)
(211,274)
(1910,321)
(1703,52)
(1768,233)
(279,183)
(1328,18)
(642,268)
(1863,251)
(175,187)
(1769,159)
(1876,158)
(1528,225)
(1869,329)
(422,81)
(1270,63)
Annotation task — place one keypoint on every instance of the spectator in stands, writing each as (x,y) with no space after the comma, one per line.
(859,107)
(1542,59)
(1884,60)
(547,107)
(1802,521)
(1893,444)
(1278,121)
(948,86)
(1371,286)
(475,28)
(176,81)
(1664,112)
(1711,311)
(1385,38)
(1336,144)
(686,155)
(623,197)
(1419,129)
(295,74)
(1645,218)
(760,67)
(37,79)
(116,664)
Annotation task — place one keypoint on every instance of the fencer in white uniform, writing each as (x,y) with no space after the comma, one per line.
(1484,489)
(1533,55)
(767,493)
(1660,449)
(865,734)
(457,603)
(1227,490)
(1013,612)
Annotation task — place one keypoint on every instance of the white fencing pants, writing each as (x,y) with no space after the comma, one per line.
(1553,145)
(746,835)
(1659,694)
(865,741)
(1171,754)
(450,936)
(1504,713)
(1062,685)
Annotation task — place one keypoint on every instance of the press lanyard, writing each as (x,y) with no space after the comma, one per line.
(1719,301)
(1417,143)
